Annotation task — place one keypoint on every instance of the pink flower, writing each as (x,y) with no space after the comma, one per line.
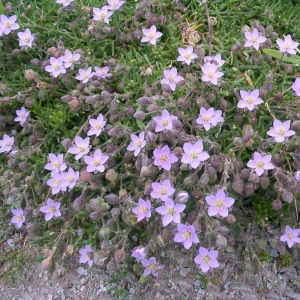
(249,99)
(170,211)
(6,143)
(152,267)
(209,117)
(287,46)
(115,4)
(254,39)
(56,67)
(97,125)
(290,236)
(70,178)
(194,154)
(137,143)
(84,257)
(151,35)
(139,253)
(162,190)
(51,209)
(85,75)
(296,87)
(26,38)
(211,73)
(102,72)
(186,55)
(164,158)
(18,217)
(280,130)
(187,235)
(171,78)
(96,162)
(82,147)
(8,24)
(219,204)
(206,259)
(297,175)
(142,210)
(56,162)
(260,163)
(70,58)
(217,60)
(57,183)
(102,14)
(22,115)
(164,121)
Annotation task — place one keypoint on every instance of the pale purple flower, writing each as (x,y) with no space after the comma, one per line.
(254,39)
(187,235)
(6,143)
(287,46)
(182,197)
(142,210)
(151,35)
(8,24)
(57,183)
(97,125)
(291,236)
(209,117)
(217,60)
(219,204)
(82,147)
(102,72)
(102,14)
(194,154)
(170,211)
(165,121)
(296,87)
(137,143)
(56,162)
(206,259)
(150,136)
(56,67)
(51,209)
(18,217)
(64,2)
(249,100)
(211,73)
(186,55)
(163,158)
(79,231)
(96,162)
(26,38)
(115,4)
(84,255)
(85,75)
(281,130)
(260,163)
(152,267)
(297,175)
(70,177)
(162,190)
(139,253)
(70,58)
(171,78)
(22,115)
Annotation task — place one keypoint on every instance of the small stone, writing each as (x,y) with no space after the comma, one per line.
(197,283)
(132,291)
(274,253)
(82,271)
(29,289)
(41,275)
(82,281)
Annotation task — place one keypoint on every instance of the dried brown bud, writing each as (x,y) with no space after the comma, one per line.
(120,255)
(29,74)
(231,219)
(51,50)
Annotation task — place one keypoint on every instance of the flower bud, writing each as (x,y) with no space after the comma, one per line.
(248,189)
(111,175)
(254,178)
(182,197)
(264,182)
(29,74)
(203,181)
(238,186)
(277,204)
(105,232)
(221,241)
(78,204)
(183,103)
(111,198)
(189,181)
(166,88)
(231,219)
(139,115)
(223,230)
(287,196)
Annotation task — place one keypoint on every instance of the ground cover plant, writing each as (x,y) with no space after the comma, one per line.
(134,134)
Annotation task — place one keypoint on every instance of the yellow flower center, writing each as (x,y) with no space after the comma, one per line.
(96,163)
(152,267)
(56,67)
(164,157)
(81,149)
(219,203)
(138,144)
(7,24)
(171,211)
(103,15)
(7,143)
(260,164)
(250,100)
(165,122)
(254,40)
(187,56)
(171,78)
(186,235)
(19,217)
(194,155)
(27,39)
(52,208)
(162,190)
(291,235)
(287,45)
(206,259)
(143,209)
(85,75)
(211,75)
(70,59)
(206,118)
(151,36)
(281,132)
(70,179)
(56,164)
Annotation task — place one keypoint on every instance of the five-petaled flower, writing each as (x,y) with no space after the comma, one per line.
(56,162)
(194,154)
(6,143)
(56,66)
(70,58)
(51,209)
(115,4)
(22,115)
(102,14)
(281,130)
(171,78)
(254,39)
(151,35)
(142,210)
(139,253)
(57,183)
(82,147)
(296,87)
(249,99)
(137,143)
(85,75)
(186,55)
(260,163)
(84,255)
(96,162)
(211,73)
(206,259)
(162,190)
(187,235)
(217,60)
(291,236)
(18,217)
(163,158)
(165,121)
(152,266)
(70,178)
(8,24)
(97,125)
(26,38)
(209,117)
(287,46)
(102,72)
(219,204)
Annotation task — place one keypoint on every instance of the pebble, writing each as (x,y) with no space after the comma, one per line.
(132,291)
(62,294)
(197,283)
(29,289)
(280,277)
(41,275)
(274,253)
(178,268)
(221,265)
(298,271)
(184,271)
(82,281)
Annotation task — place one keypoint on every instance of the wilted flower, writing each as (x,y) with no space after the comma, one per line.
(260,163)
(6,143)
(56,162)
(84,257)
(162,190)
(102,72)
(151,35)
(296,87)
(206,259)
(217,60)
(186,55)
(249,99)
(139,253)
(97,125)
(102,14)
(18,217)
(26,38)
(164,158)
(281,130)
(70,58)
(71,177)
(152,266)
(96,162)
(187,235)
(254,39)
(81,147)
(137,143)
(291,236)
(22,115)
(51,209)
(171,78)
(209,117)
(85,75)
(7,24)
(287,46)
(142,210)
(165,121)
(56,66)
(115,4)
(211,73)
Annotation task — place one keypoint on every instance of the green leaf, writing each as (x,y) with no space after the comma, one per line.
(294,59)
(141,125)
(1,8)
